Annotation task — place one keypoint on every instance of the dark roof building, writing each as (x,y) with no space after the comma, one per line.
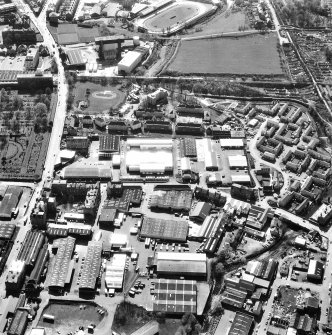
(30,249)
(19,323)
(91,268)
(200,211)
(108,144)
(175,296)
(35,277)
(167,230)
(107,217)
(10,201)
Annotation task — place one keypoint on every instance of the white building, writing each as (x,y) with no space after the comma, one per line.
(231,143)
(238,161)
(129,62)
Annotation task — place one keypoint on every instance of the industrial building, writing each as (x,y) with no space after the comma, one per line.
(171,200)
(10,202)
(87,173)
(241,325)
(180,264)
(36,274)
(200,211)
(238,162)
(78,143)
(19,323)
(15,276)
(165,230)
(231,143)
(7,231)
(33,242)
(131,60)
(149,156)
(108,145)
(175,296)
(91,269)
(315,270)
(61,270)
(115,271)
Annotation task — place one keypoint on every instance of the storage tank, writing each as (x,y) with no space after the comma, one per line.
(136,41)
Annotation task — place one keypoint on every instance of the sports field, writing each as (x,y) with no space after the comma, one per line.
(255,54)
(174,15)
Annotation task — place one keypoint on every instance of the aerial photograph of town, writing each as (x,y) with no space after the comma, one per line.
(165,167)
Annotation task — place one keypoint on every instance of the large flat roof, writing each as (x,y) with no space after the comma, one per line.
(130,58)
(168,230)
(181,263)
(175,296)
(231,143)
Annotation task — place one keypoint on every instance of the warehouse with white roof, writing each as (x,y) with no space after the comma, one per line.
(181,264)
(231,143)
(129,62)
(238,162)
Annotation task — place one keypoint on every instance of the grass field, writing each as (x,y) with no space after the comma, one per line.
(222,23)
(101,97)
(255,54)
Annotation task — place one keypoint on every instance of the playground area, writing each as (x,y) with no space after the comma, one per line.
(175,16)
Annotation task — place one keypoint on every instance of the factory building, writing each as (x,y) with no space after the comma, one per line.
(61,272)
(91,269)
(181,296)
(30,249)
(108,145)
(115,271)
(186,265)
(242,324)
(15,276)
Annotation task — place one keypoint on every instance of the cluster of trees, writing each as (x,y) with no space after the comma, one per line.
(189,325)
(304,13)
(328,54)
(217,88)
(14,107)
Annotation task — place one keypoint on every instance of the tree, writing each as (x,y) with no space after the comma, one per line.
(16,126)
(40,109)
(17,102)
(48,91)
(219,270)
(54,65)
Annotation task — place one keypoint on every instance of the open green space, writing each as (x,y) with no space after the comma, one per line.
(69,316)
(99,98)
(246,55)
(222,23)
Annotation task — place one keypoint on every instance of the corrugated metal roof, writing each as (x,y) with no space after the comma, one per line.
(91,266)
(61,263)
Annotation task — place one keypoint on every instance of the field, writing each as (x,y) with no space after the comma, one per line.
(69,317)
(100,99)
(249,55)
(172,16)
(222,23)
